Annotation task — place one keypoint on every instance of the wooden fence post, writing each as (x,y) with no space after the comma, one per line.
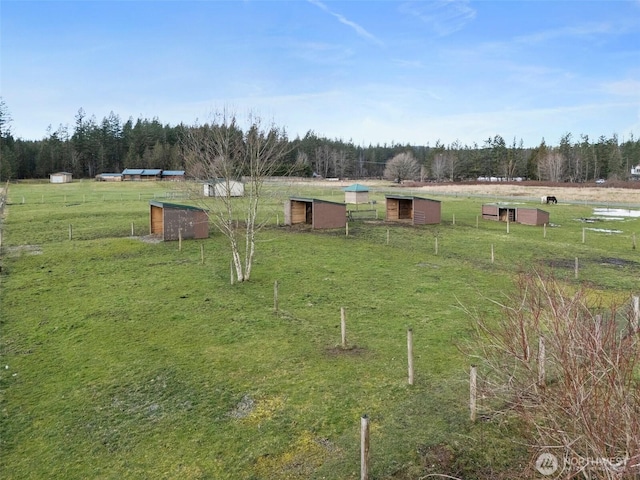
(544,231)
(477,223)
(436,245)
(598,331)
(364,447)
(492,255)
(542,382)
(180,239)
(343,327)
(275,296)
(473,393)
(576,268)
(346,229)
(132,230)
(635,319)
(387,236)
(583,234)
(410,354)
(453,222)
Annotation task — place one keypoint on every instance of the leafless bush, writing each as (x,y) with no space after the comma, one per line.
(579,393)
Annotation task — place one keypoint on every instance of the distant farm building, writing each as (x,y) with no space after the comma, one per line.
(109,177)
(172,222)
(418,210)
(172,175)
(356,193)
(141,174)
(224,188)
(314,212)
(60,177)
(507,213)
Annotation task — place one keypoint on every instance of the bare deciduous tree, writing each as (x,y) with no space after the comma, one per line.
(552,166)
(585,407)
(222,152)
(403,166)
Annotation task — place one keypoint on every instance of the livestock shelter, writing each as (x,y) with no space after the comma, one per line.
(508,213)
(356,193)
(60,177)
(172,221)
(141,174)
(420,211)
(314,212)
(172,175)
(220,187)
(109,177)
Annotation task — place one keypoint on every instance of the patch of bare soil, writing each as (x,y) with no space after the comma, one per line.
(351,350)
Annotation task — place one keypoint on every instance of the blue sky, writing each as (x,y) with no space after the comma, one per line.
(366,71)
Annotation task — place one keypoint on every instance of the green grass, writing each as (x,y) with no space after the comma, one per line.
(125,359)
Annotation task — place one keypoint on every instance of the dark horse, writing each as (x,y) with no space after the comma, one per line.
(552,199)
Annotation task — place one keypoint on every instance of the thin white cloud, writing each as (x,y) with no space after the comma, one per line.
(584,30)
(361,31)
(630,88)
(444,17)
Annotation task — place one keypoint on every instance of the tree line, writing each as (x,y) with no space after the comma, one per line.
(90,147)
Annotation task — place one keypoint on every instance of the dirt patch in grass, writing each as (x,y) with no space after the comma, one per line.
(349,351)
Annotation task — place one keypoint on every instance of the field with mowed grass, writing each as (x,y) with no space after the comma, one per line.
(125,358)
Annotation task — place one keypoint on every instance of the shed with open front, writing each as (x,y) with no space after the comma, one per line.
(315,212)
(172,221)
(417,210)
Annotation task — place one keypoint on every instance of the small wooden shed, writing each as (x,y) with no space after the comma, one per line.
(172,221)
(508,213)
(60,177)
(420,211)
(219,188)
(314,212)
(356,193)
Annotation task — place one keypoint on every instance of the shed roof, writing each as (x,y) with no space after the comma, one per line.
(172,173)
(141,171)
(160,204)
(61,173)
(356,187)
(312,200)
(410,197)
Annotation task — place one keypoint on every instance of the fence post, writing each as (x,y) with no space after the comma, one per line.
(576,268)
(387,236)
(492,255)
(636,313)
(364,447)
(453,222)
(180,239)
(343,327)
(346,229)
(275,296)
(410,354)
(436,245)
(70,232)
(583,234)
(202,253)
(132,230)
(541,359)
(544,231)
(473,393)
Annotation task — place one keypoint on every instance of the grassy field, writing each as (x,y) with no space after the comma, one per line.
(123,358)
